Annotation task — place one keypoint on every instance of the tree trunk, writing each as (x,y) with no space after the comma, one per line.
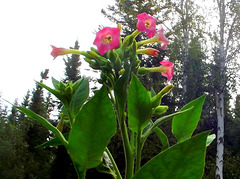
(185,23)
(220,134)
(219,93)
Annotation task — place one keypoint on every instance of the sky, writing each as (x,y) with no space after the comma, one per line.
(29,27)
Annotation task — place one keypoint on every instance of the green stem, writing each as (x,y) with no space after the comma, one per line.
(114,164)
(129,156)
(81,174)
(138,151)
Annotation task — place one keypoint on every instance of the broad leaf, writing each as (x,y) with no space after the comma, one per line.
(79,97)
(94,126)
(139,106)
(183,125)
(148,130)
(184,160)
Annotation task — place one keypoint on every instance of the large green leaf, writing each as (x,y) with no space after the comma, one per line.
(184,160)
(139,106)
(183,125)
(79,96)
(94,126)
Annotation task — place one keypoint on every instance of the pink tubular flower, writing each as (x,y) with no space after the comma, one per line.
(107,39)
(149,51)
(167,69)
(162,39)
(59,51)
(146,24)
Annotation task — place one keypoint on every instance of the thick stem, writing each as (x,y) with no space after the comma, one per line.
(138,151)
(80,173)
(127,150)
(129,156)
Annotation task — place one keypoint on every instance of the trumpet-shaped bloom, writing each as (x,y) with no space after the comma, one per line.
(146,24)
(107,39)
(162,39)
(59,51)
(149,51)
(167,69)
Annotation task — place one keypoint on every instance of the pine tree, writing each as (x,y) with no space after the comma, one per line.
(72,63)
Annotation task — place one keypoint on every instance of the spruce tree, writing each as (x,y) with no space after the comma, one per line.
(72,71)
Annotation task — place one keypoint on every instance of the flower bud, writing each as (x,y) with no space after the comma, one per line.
(160,110)
(156,100)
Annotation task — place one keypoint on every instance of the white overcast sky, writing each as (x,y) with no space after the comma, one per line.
(29,27)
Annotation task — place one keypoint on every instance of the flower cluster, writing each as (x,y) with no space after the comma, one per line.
(109,39)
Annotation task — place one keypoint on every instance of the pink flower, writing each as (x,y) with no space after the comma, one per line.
(162,39)
(59,51)
(167,69)
(107,39)
(149,51)
(146,24)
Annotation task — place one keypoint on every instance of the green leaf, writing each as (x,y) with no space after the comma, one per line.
(184,160)
(45,122)
(153,93)
(139,106)
(210,138)
(52,142)
(149,130)
(163,138)
(79,97)
(55,83)
(55,93)
(184,125)
(94,126)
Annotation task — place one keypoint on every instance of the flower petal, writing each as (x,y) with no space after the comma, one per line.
(107,39)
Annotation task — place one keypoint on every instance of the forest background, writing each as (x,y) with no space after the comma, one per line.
(206,59)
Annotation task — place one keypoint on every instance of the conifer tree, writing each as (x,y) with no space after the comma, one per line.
(72,71)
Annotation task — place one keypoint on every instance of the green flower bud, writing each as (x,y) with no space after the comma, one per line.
(156,100)
(160,110)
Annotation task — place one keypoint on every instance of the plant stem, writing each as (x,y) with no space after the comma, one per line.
(138,151)
(81,173)
(129,157)
(114,164)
